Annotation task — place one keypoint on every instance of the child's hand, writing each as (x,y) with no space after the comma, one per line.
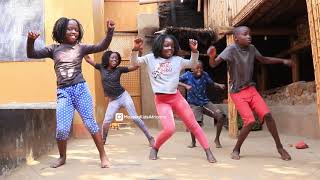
(110,25)
(33,35)
(188,87)
(138,44)
(287,63)
(193,45)
(87,57)
(212,52)
(222,86)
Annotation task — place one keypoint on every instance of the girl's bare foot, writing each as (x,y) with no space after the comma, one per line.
(153,154)
(192,145)
(217,142)
(284,154)
(59,162)
(235,155)
(105,163)
(210,156)
(151,141)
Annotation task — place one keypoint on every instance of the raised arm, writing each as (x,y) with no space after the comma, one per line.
(31,52)
(213,61)
(104,44)
(273,60)
(137,47)
(90,60)
(194,55)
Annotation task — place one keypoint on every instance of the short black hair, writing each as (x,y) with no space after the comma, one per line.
(60,29)
(238,29)
(106,57)
(158,44)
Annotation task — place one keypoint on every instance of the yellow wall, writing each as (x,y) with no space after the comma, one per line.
(125,12)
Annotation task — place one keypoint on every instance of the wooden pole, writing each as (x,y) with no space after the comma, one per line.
(199,6)
(205,13)
(232,112)
(313,7)
(173,13)
(295,67)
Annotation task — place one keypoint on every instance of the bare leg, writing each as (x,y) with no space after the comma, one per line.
(62,146)
(105,163)
(220,121)
(210,156)
(242,136)
(193,141)
(105,130)
(274,132)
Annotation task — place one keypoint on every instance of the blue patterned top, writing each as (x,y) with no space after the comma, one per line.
(197,95)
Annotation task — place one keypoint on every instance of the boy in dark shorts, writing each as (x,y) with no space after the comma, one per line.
(196,83)
(240,57)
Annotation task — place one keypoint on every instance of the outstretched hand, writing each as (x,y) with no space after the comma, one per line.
(138,44)
(222,86)
(110,25)
(33,35)
(87,57)
(212,52)
(287,63)
(193,45)
(188,87)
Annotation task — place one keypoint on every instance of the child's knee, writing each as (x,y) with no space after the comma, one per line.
(220,118)
(62,134)
(267,117)
(92,126)
(170,130)
(250,122)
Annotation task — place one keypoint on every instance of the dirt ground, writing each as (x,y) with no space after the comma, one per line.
(128,151)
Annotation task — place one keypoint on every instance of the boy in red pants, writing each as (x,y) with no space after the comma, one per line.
(240,57)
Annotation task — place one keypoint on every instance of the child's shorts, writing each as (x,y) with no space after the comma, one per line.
(248,100)
(208,109)
(198,114)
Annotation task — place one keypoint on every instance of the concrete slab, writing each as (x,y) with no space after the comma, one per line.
(129,152)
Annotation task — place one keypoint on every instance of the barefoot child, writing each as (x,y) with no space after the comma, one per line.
(164,67)
(73,92)
(196,83)
(240,57)
(117,95)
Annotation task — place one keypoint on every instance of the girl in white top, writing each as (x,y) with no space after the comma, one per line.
(164,68)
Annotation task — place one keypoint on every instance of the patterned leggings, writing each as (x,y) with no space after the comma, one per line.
(68,99)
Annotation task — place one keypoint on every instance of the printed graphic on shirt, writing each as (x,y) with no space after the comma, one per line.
(161,69)
(66,72)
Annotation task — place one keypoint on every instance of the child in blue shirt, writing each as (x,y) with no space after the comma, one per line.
(196,83)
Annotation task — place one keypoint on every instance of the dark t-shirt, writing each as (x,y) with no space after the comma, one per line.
(68,58)
(240,65)
(111,80)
